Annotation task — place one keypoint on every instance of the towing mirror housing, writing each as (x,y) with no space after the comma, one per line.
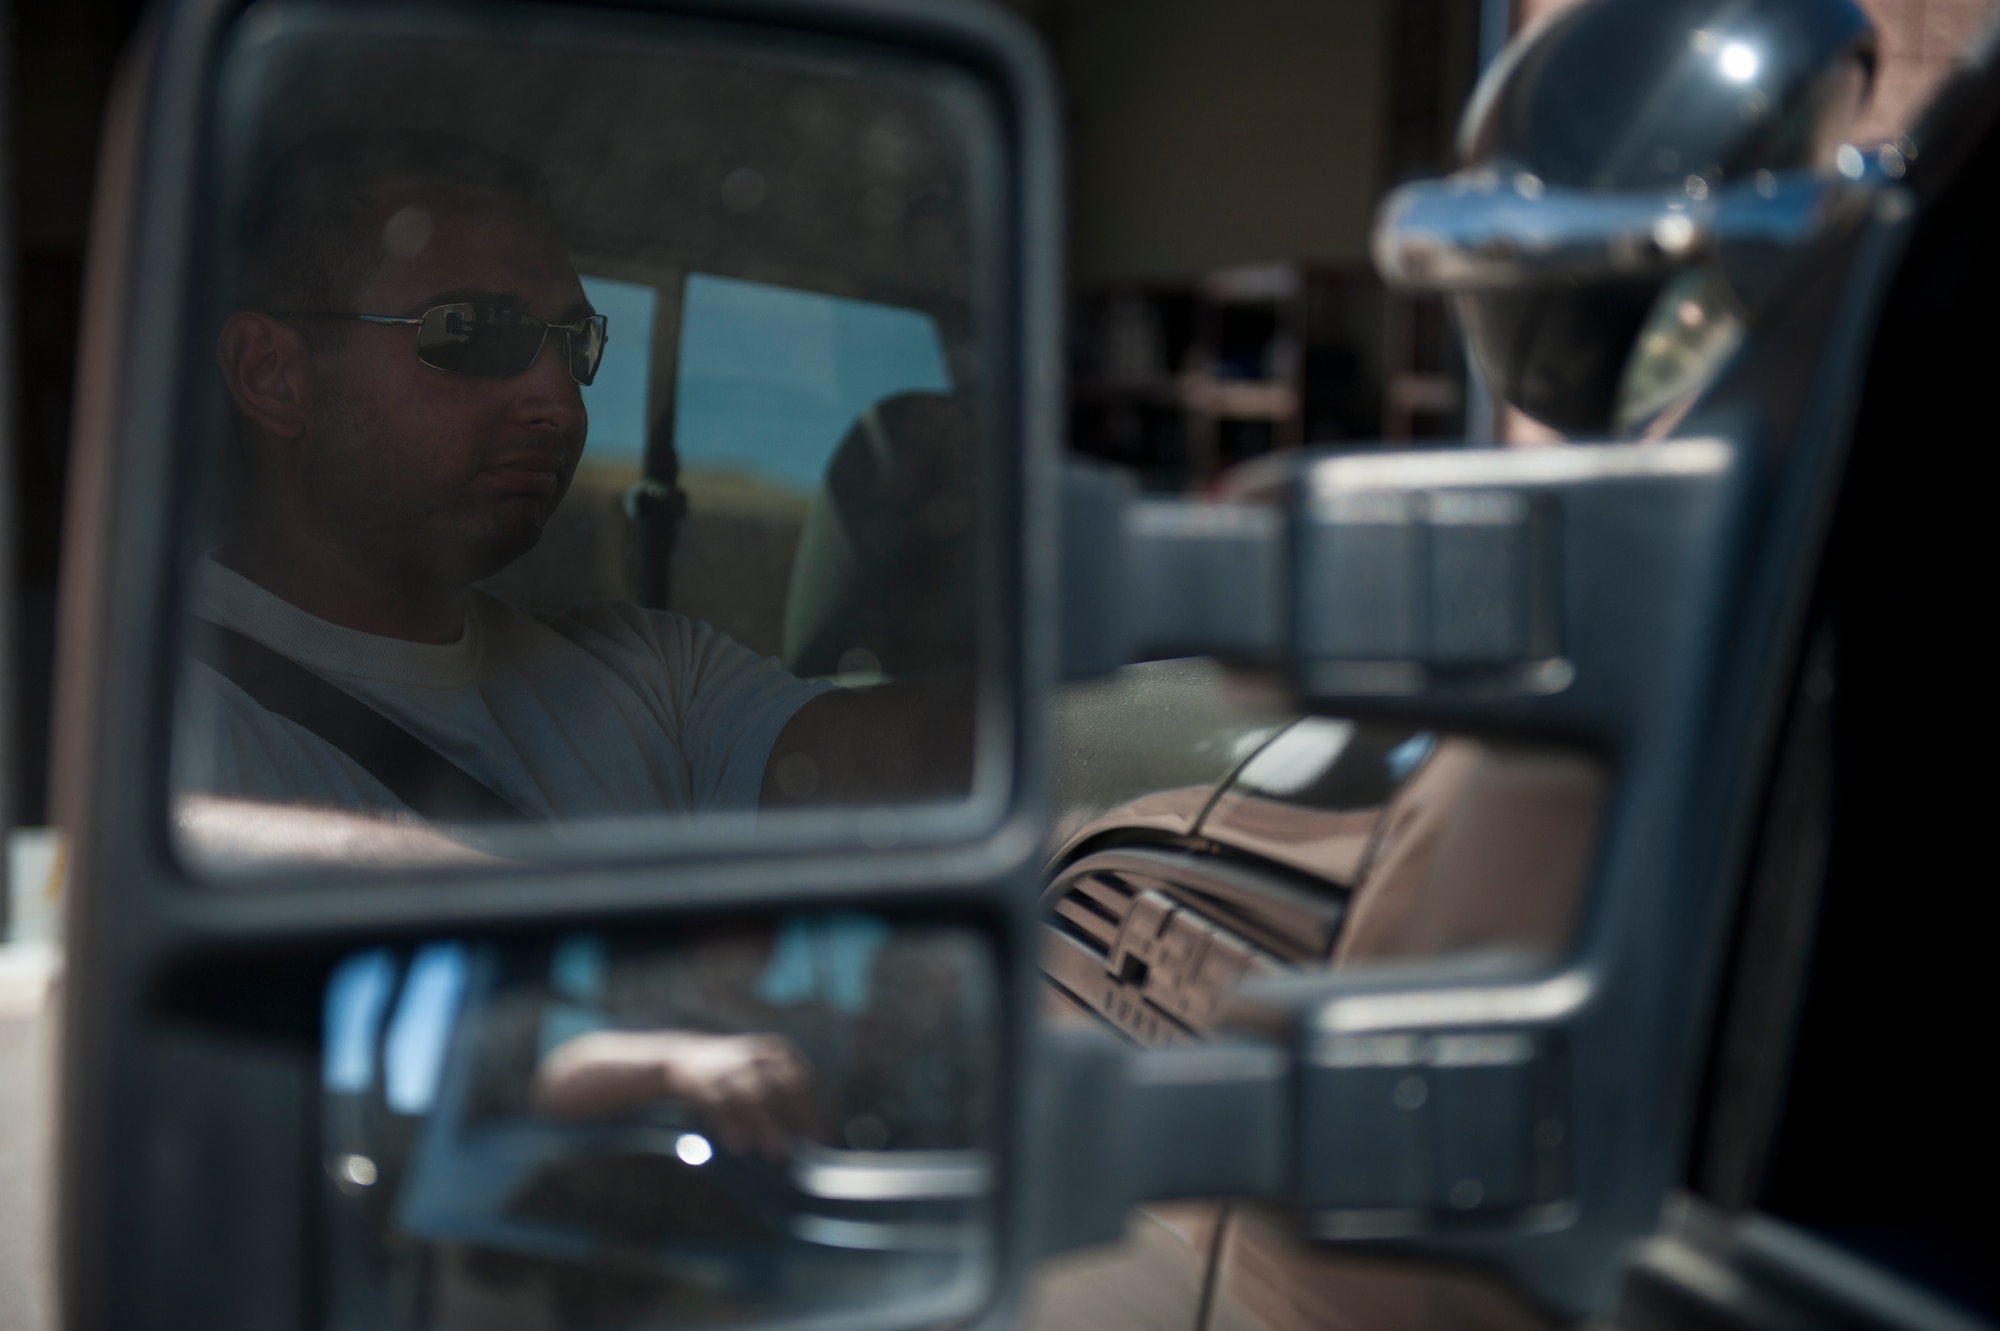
(216,1168)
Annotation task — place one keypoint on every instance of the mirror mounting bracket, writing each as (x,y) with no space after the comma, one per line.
(1484,588)
(1384,1112)
(1120,1126)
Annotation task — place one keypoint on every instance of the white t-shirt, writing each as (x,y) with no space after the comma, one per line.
(606,709)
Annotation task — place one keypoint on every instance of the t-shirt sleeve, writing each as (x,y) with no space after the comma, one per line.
(731,705)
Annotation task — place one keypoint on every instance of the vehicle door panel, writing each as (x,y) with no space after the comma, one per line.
(1313,798)
(1487,847)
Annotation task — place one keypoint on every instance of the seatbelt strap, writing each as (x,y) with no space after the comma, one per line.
(417,774)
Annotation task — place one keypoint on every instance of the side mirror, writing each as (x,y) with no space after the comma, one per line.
(468,905)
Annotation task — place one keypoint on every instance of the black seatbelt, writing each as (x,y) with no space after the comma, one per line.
(422,778)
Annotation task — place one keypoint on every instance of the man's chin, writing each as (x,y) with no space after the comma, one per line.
(503,548)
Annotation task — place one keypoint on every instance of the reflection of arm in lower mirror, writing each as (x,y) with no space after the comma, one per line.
(752,1090)
(907,741)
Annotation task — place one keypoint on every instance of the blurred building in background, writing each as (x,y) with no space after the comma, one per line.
(1225,162)
(1921,39)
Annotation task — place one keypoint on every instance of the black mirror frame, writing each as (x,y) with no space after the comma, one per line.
(182,1009)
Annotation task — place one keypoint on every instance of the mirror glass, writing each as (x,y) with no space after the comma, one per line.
(590,436)
(780,1123)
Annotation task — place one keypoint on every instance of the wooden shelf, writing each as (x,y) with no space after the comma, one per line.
(1240,399)
(1142,392)
(1209,395)
(1425,394)
(1190,379)
(1253,283)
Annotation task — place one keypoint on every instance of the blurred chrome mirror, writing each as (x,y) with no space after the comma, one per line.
(791,1121)
(1635,176)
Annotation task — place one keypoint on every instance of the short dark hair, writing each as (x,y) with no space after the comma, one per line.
(305,233)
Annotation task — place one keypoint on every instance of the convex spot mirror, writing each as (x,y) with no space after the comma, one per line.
(785,1120)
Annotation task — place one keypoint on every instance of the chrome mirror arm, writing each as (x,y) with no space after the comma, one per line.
(1482,231)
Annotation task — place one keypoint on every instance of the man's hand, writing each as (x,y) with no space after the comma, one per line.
(751,1089)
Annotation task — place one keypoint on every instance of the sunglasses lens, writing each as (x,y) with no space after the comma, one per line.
(481,341)
(586,349)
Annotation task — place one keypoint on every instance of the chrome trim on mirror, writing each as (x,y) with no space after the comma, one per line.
(1341,474)
(874,1236)
(891,1176)
(1479,230)
(1550,1001)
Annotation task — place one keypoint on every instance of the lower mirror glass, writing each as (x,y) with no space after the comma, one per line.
(791,1121)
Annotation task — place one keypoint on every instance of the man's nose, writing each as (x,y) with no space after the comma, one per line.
(550,398)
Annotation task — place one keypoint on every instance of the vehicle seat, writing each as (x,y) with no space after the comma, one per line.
(883,579)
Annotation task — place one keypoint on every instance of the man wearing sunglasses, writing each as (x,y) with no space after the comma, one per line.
(405,367)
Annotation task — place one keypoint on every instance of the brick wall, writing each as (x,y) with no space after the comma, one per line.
(1920,39)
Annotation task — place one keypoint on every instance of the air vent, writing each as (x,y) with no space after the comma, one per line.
(1095,907)
(1130,949)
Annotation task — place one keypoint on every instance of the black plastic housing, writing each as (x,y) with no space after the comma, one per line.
(191,1013)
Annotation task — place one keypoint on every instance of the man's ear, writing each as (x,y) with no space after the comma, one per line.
(268,368)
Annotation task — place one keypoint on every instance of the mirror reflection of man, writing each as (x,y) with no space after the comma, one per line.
(406,368)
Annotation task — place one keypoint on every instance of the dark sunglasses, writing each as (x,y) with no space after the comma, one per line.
(490,341)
